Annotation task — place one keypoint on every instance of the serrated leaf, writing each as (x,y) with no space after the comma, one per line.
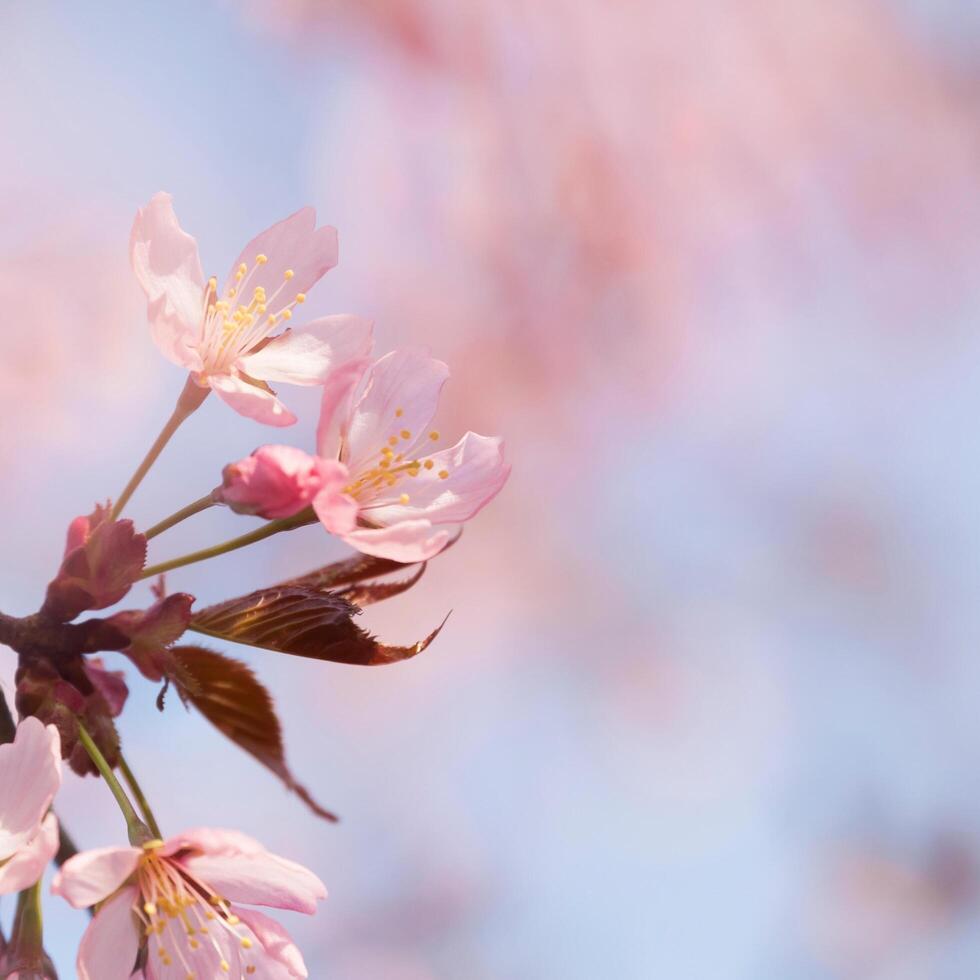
(304,621)
(231,697)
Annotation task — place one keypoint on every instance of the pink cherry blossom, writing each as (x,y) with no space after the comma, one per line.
(278,481)
(182,897)
(376,420)
(230,340)
(30,775)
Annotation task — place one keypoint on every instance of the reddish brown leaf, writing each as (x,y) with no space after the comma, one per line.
(304,621)
(357,568)
(229,695)
(365,593)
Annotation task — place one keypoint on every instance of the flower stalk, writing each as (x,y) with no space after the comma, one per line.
(191,398)
(140,797)
(259,534)
(138,831)
(181,515)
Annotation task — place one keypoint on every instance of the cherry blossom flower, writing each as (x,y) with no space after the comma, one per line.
(30,775)
(277,482)
(181,898)
(235,340)
(377,421)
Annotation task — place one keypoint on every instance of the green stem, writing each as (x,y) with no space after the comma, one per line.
(266,531)
(189,401)
(26,937)
(138,795)
(139,833)
(189,511)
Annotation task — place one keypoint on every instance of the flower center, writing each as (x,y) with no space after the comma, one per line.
(392,466)
(183,919)
(231,327)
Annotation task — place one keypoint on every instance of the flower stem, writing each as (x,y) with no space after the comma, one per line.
(265,531)
(26,937)
(139,833)
(189,401)
(138,795)
(181,515)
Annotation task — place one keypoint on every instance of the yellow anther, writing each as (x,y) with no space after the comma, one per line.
(233,920)
(387,452)
(287,314)
(434,436)
(261,259)
(384,464)
(443,474)
(232,293)
(399,412)
(288,274)
(301,297)
(260,309)
(392,440)
(150,908)
(249,970)
(403,499)
(272,319)
(213,282)
(224,966)
(246,943)
(405,434)
(195,944)
(242,269)
(428,464)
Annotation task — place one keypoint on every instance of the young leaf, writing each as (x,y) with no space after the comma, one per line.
(229,695)
(303,621)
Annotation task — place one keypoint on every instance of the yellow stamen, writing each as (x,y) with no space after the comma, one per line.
(288,274)
(301,297)
(443,474)
(261,259)
(434,436)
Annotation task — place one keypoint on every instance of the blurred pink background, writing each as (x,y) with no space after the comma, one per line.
(706,705)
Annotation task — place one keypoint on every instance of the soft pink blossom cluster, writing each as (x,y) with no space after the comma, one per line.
(379,478)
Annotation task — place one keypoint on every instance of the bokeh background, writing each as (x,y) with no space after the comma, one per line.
(707,704)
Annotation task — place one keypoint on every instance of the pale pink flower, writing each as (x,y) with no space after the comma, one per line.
(30,775)
(233,340)
(181,897)
(277,482)
(376,420)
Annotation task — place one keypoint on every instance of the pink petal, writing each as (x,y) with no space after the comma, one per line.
(258,879)
(294,243)
(111,941)
(30,775)
(278,948)
(477,473)
(202,962)
(29,863)
(167,266)
(91,876)
(307,355)
(336,406)
(337,510)
(406,381)
(250,401)
(212,840)
(408,541)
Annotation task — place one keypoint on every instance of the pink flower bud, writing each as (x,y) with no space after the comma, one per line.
(276,482)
